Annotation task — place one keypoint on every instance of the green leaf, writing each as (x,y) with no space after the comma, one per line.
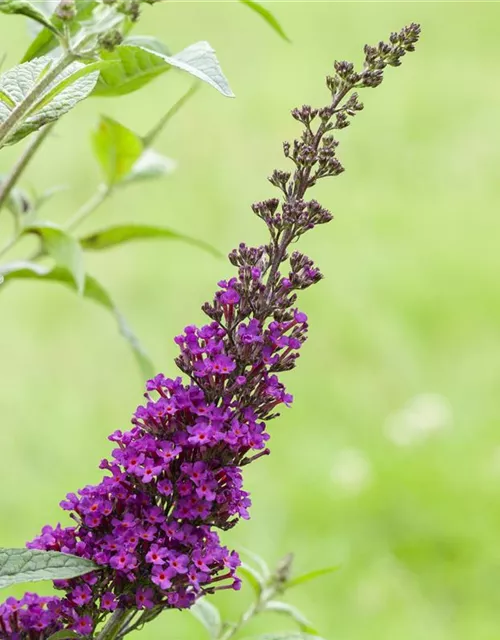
(260,562)
(25,8)
(46,41)
(150,164)
(74,84)
(148,42)
(65,249)
(138,66)
(284,635)
(117,149)
(268,17)
(93,290)
(208,615)
(253,577)
(31,565)
(64,635)
(310,575)
(120,234)
(292,612)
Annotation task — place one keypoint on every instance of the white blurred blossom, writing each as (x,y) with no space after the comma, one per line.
(351,470)
(424,415)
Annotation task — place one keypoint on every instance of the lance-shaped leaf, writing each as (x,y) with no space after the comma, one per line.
(74,84)
(64,635)
(25,8)
(209,617)
(267,16)
(31,565)
(253,577)
(120,234)
(137,66)
(93,290)
(291,611)
(61,246)
(46,41)
(117,149)
(311,575)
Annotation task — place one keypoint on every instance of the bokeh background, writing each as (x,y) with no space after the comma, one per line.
(389,461)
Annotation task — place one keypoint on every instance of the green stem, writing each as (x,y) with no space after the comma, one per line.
(115,624)
(18,113)
(150,137)
(89,207)
(22,163)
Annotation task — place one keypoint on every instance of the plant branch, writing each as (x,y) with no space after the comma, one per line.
(95,201)
(150,137)
(115,624)
(22,163)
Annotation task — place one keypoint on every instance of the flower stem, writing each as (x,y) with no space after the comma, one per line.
(16,116)
(115,624)
(22,163)
(89,207)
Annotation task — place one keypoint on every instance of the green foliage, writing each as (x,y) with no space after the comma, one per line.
(46,41)
(117,149)
(32,565)
(61,246)
(64,635)
(72,85)
(311,575)
(121,234)
(135,67)
(25,8)
(292,612)
(209,616)
(268,17)
(93,290)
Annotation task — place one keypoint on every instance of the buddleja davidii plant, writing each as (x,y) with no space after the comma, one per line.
(85,48)
(149,529)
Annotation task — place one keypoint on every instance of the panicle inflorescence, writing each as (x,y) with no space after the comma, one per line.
(176,476)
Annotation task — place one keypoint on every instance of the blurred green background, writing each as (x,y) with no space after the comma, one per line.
(389,461)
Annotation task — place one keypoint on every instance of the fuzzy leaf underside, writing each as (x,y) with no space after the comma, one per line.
(74,84)
(31,565)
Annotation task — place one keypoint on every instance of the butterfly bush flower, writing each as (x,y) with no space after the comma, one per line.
(175,478)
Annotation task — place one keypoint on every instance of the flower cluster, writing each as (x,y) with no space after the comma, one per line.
(176,476)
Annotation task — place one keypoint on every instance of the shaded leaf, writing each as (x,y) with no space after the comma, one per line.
(311,575)
(31,565)
(74,84)
(25,8)
(138,66)
(117,149)
(64,635)
(150,164)
(61,246)
(93,290)
(253,577)
(268,17)
(260,562)
(208,615)
(294,613)
(120,234)
(46,41)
